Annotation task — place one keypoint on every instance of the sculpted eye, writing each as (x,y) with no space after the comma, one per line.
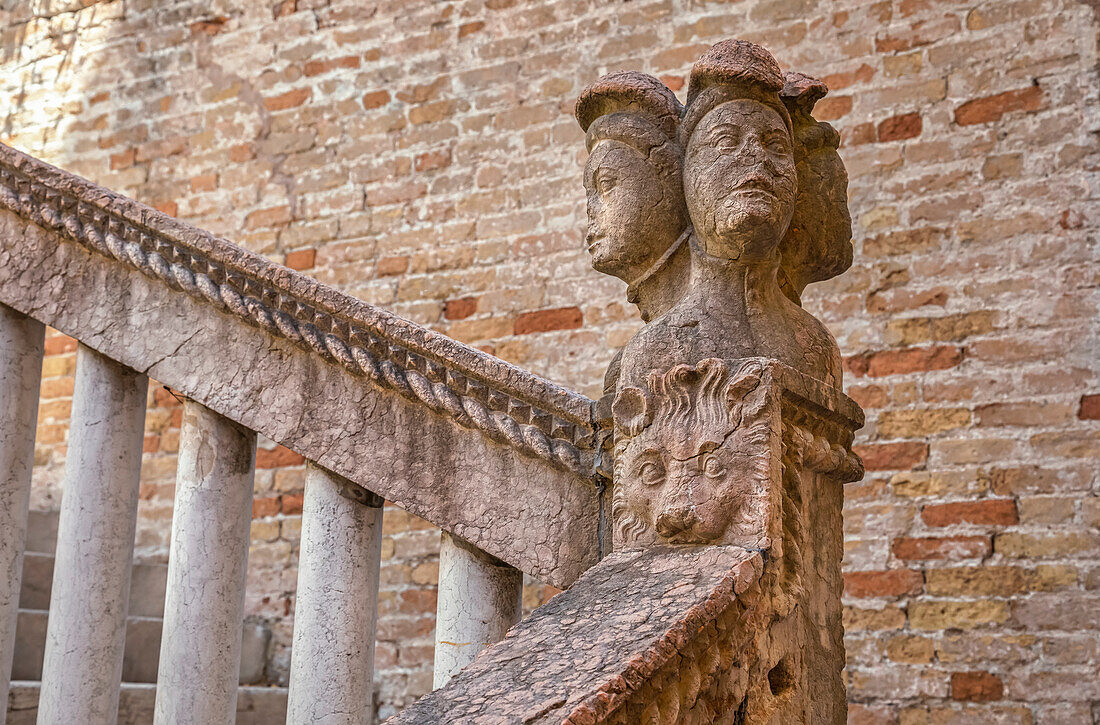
(604,184)
(651,473)
(726,143)
(713,468)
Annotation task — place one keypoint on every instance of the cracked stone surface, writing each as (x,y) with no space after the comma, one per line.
(200,651)
(594,652)
(336,610)
(536,517)
(82,663)
(479,598)
(21,340)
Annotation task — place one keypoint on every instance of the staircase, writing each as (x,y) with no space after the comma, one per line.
(255,704)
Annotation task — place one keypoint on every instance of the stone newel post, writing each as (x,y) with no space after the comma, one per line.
(730,425)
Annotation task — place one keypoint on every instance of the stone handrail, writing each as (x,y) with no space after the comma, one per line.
(99,243)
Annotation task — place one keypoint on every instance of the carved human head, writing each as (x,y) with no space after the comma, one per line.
(633,175)
(739,166)
(818,243)
(692,458)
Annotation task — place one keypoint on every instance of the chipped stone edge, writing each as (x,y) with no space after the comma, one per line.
(618,688)
(478,391)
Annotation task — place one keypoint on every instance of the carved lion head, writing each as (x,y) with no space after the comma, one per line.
(692,459)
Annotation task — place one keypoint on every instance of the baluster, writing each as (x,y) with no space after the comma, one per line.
(200,649)
(480,598)
(332,660)
(82,665)
(20,374)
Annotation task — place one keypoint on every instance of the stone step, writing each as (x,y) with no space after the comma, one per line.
(255,705)
(142,649)
(42,532)
(147,585)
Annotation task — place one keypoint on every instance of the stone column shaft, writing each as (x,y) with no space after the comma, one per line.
(82,665)
(336,613)
(200,650)
(480,598)
(21,341)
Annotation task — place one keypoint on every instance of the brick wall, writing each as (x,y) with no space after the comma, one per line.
(422,156)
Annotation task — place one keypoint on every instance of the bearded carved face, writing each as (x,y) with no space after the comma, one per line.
(633,214)
(692,457)
(740,180)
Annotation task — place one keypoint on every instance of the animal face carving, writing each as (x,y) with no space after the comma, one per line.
(692,457)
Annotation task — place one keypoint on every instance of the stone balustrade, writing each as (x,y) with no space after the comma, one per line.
(503,461)
(723,427)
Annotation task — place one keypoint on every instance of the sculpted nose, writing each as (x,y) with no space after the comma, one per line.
(676,520)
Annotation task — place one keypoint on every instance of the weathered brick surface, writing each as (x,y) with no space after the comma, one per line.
(422,156)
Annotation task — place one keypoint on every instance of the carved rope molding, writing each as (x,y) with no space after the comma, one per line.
(507,404)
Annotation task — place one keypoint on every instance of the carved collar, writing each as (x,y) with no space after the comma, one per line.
(634,287)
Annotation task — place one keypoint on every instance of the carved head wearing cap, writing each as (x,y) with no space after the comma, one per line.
(739,166)
(632,178)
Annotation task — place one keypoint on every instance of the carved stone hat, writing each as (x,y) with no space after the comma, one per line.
(731,70)
(618,104)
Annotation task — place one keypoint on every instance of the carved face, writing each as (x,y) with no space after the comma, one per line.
(695,470)
(740,179)
(633,215)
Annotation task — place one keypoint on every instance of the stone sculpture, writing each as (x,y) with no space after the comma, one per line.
(728,425)
(692,461)
(717,214)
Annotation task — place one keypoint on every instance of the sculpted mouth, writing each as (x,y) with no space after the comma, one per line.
(755,185)
(592,241)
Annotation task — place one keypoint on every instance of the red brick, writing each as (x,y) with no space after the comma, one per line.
(208,26)
(291,503)
(301,258)
(947,547)
(991,108)
(832,108)
(976,686)
(242,152)
(204,182)
(275,216)
(470,28)
(433,160)
(837,81)
(891,583)
(376,99)
(59,344)
(907,360)
(168,207)
(123,160)
(899,128)
(562,318)
(989,512)
(674,83)
(286,7)
(388,266)
(163,397)
(262,507)
(317,67)
(460,309)
(277,457)
(892,456)
(151,443)
(290,99)
(1090,407)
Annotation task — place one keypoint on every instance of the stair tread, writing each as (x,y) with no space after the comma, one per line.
(142,654)
(256,705)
